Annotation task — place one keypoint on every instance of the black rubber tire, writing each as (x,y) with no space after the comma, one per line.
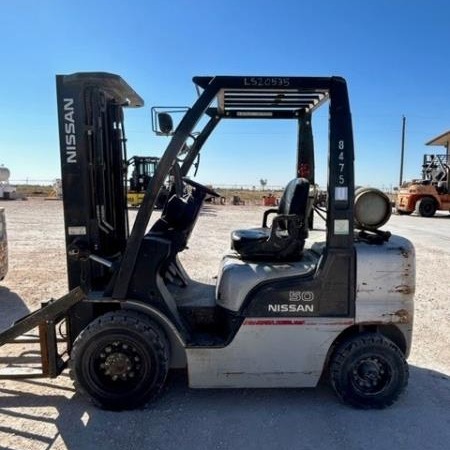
(376,352)
(426,207)
(145,343)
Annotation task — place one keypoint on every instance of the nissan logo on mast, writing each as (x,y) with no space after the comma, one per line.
(70,140)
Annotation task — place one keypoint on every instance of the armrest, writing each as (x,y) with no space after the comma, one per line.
(266,215)
(292,223)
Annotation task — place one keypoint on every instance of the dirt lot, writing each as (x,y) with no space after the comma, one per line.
(46,414)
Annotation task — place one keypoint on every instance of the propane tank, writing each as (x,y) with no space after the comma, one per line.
(372,209)
(4,173)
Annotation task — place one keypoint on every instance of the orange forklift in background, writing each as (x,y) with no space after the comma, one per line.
(432,192)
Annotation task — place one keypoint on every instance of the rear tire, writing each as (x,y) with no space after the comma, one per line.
(368,371)
(120,361)
(426,207)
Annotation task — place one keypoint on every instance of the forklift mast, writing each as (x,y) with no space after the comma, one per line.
(435,168)
(94,171)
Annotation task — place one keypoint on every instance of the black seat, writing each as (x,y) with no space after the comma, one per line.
(285,239)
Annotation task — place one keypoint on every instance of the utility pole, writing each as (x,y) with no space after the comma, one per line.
(403,150)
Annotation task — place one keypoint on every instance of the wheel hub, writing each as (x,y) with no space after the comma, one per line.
(119,361)
(117,364)
(369,374)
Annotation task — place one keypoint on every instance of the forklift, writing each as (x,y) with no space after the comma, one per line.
(431,193)
(142,170)
(288,306)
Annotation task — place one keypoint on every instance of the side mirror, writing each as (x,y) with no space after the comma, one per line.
(165,123)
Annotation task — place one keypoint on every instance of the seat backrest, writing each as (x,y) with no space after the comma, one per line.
(179,215)
(177,221)
(295,197)
(172,215)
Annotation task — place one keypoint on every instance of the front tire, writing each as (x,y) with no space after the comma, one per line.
(120,360)
(426,207)
(368,371)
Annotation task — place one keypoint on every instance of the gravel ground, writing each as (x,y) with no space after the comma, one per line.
(47,414)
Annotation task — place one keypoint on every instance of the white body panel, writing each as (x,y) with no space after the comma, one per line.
(237,278)
(385,285)
(268,352)
(291,351)
(385,282)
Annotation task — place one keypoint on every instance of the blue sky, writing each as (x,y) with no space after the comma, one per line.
(393,53)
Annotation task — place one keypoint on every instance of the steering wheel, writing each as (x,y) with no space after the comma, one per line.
(200,187)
